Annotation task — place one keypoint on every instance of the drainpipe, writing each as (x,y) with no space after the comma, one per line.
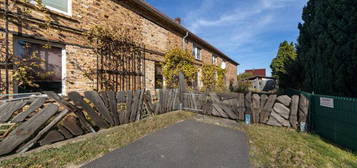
(183,41)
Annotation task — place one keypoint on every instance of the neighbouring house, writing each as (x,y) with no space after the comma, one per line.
(256,72)
(70,53)
(262,83)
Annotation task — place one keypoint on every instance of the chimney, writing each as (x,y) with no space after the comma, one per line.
(178,20)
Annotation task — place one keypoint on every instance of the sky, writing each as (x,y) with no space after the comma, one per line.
(248,31)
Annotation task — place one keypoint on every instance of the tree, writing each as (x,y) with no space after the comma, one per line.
(243,85)
(282,63)
(327,47)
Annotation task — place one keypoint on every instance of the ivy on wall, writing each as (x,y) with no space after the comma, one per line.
(176,61)
(213,77)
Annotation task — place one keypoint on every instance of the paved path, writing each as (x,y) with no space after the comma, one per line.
(189,144)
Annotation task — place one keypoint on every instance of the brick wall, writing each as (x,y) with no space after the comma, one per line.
(86,14)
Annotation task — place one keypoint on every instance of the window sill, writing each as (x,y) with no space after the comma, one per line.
(50,11)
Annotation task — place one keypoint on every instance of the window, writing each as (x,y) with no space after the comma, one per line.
(196,52)
(214,59)
(159,80)
(224,65)
(62,6)
(50,75)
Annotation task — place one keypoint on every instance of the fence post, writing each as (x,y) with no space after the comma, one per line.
(182,88)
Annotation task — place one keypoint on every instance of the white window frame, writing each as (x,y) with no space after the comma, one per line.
(195,52)
(214,59)
(224,65)
(69,12)
(63,57)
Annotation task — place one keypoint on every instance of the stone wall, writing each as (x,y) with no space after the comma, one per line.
(67,30)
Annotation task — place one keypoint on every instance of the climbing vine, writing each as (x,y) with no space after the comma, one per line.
(176,61)
(119,51)
(213,77)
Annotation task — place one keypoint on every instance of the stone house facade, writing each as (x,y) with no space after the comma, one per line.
(70,51)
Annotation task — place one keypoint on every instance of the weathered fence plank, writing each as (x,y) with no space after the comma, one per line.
(70,107)
(99,105)
(27,129)
(32,142)
(5,114)
(293,111)
(267,109)
(256,108)
(36,104)
(64,131)
(113,106)
(52,137)
(71,124)
(78,100)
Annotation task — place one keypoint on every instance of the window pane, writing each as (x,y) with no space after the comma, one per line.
(50,61)
(61,5)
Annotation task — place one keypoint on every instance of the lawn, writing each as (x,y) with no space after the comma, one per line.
(74,154)
(282,147)
(279,147)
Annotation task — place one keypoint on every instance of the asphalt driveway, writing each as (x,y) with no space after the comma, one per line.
(189,144)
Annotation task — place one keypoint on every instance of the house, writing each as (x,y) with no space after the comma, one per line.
(256,72)
(62,26)
(262,83)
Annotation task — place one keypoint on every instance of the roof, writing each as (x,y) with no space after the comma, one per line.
(149,12)
(257,72)
(257,76)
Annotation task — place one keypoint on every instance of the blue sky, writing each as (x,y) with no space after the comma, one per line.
(249,31)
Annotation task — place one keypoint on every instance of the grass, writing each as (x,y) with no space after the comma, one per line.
(283,147)
(278,147)
(77,153)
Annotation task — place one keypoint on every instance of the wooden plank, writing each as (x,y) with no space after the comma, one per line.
(161,101)
(220,110)
(267,109)
(27,129)
(36,104)
(72,125)
(135,105)
(140,106)
(293,111)
(64,132)
(248,103)
(121,97)
(121,100)
(194,101)
(6,113)
(104,97)
(33,141)
(157,108)
(129,101)
(182,86)
(51,137)
(256,108)
(241,106)
(303,108)
(113,106)
(148,102)
(70,107)
(99,105)
(78,100)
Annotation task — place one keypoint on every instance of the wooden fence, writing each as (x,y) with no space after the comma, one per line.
(25,124)
(271,110)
